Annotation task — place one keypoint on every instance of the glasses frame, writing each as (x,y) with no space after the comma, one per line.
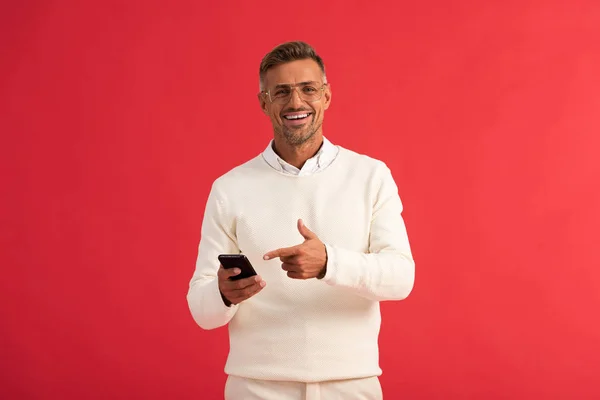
(295,88)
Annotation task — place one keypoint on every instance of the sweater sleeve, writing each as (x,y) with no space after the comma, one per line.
(217,237)
(387,270)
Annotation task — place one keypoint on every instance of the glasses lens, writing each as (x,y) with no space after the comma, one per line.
(308,92)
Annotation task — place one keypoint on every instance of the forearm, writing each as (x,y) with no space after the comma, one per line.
(386,271)
(204,298)
(381,276)
(206,304)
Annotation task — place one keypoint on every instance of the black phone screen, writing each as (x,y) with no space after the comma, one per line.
(240,261)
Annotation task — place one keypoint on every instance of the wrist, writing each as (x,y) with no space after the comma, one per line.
(227,302)
(323,271)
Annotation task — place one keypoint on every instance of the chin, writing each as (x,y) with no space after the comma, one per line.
(297,138)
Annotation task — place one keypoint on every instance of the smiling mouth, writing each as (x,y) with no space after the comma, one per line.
(297,117)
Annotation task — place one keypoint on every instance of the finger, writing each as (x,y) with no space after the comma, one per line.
(244,283)
(289,267)
(224,273)
(248,292)
(240,284)
(290,259)
(236,289)
(297,275)
(304,231)
(284,252)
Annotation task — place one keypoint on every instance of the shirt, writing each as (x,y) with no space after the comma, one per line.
(324,157)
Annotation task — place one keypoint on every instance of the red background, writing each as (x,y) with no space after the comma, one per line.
(117,116)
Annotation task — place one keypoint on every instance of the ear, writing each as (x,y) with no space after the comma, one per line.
(262,101)
(327,96)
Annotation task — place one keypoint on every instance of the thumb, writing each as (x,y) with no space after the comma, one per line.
(304,231)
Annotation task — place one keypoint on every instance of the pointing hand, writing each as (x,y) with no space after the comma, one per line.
(304,261)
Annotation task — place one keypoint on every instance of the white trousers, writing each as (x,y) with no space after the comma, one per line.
(237,388)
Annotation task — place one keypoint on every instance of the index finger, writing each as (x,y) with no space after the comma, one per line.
(283,252)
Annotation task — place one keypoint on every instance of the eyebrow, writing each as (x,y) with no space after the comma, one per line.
(289,84)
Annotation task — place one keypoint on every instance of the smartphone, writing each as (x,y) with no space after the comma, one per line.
(237,261)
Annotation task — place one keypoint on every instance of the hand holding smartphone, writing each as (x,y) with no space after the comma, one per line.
(236,288)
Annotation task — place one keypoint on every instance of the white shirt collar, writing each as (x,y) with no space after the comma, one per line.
(318,162)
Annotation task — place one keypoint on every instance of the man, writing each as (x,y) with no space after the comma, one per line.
(322,226)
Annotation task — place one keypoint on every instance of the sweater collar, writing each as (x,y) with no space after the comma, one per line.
(318,162)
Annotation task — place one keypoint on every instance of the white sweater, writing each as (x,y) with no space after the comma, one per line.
(305,330)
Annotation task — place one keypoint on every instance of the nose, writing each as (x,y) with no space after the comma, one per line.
(295,100)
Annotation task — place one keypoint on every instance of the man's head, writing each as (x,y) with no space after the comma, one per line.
(294,92)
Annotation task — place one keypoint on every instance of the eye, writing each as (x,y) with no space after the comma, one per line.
(309,89)
(282,92)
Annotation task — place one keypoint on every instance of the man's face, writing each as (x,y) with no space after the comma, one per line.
(296,117)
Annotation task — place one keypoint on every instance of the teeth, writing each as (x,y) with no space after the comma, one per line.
(296,116)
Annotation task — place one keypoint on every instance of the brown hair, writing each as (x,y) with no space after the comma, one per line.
(287,52)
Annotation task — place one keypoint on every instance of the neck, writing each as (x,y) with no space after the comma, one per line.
(297,155)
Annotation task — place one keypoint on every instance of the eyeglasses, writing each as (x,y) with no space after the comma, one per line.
(307,91)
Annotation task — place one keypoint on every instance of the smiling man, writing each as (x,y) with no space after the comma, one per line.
(322,226)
